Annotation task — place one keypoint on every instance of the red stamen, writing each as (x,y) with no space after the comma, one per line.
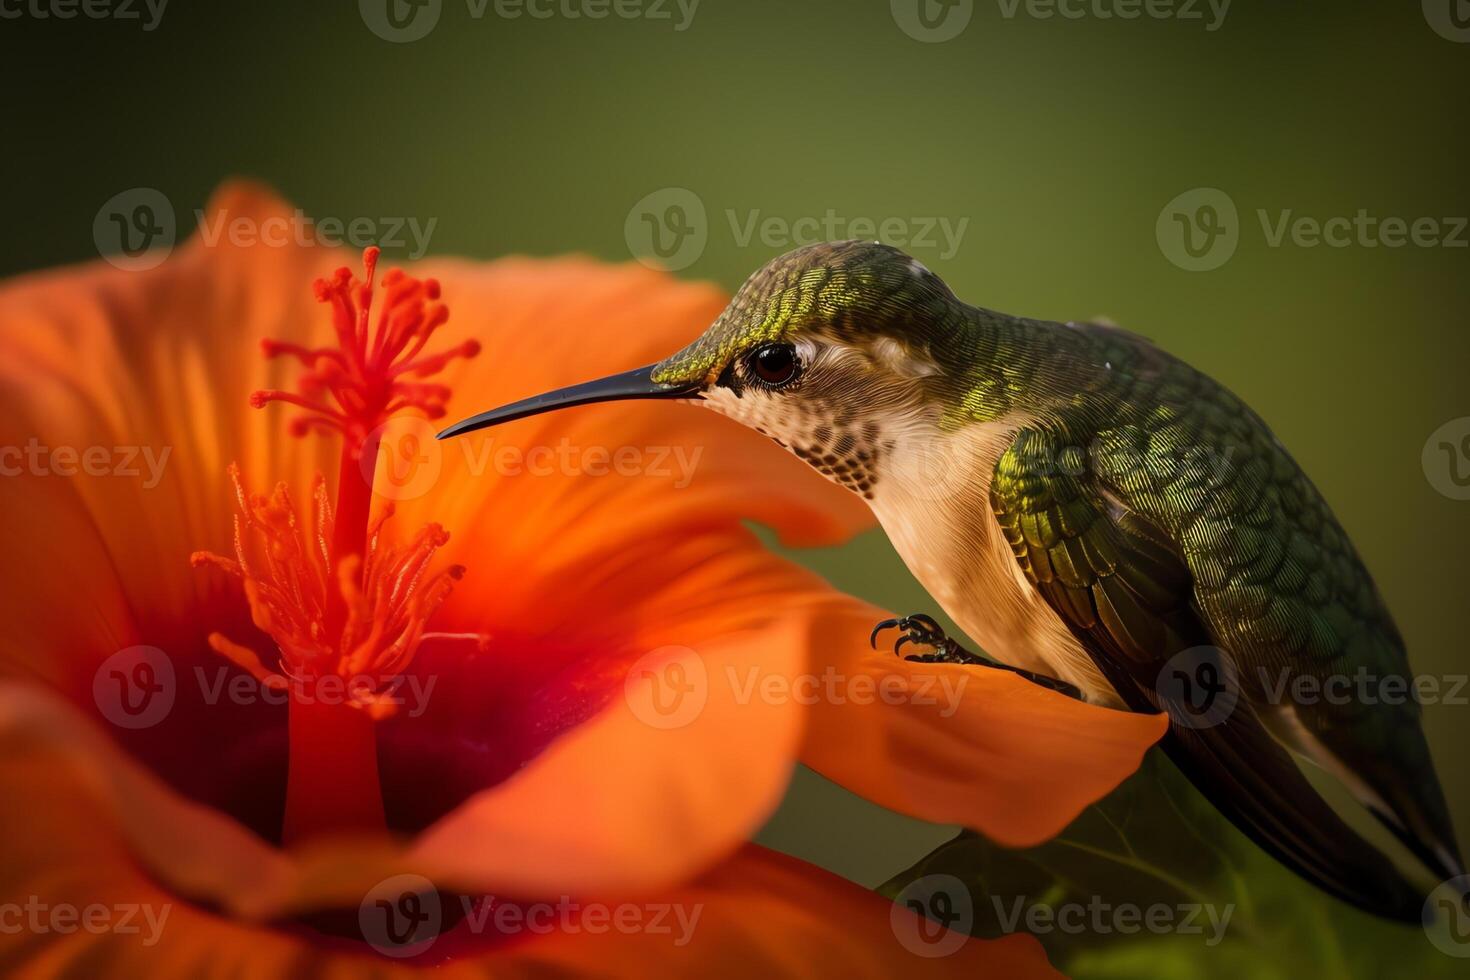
(289,578)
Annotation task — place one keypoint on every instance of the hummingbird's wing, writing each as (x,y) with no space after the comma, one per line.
(1126,589)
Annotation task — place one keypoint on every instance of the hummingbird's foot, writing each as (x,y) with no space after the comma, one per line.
(923,630)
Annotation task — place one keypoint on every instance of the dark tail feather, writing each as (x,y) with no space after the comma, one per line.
(1440,855)
(1405,793)
(1253,780)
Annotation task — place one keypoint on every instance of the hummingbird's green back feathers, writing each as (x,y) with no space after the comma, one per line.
(1272,579)
(1127,587)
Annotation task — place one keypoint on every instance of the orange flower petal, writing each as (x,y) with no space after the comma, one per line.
(89,910)
(965,745)
(687,760)
(765,914)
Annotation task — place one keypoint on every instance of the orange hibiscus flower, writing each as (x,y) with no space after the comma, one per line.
(490,706)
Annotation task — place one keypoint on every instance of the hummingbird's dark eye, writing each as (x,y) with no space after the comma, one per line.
(775,365)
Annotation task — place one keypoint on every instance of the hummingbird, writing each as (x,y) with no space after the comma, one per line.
(1098,516)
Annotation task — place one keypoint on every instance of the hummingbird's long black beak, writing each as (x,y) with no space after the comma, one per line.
(637,383)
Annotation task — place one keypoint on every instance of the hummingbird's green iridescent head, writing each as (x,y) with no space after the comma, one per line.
(825,349)
(853,293)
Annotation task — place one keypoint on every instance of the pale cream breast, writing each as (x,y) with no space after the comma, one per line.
(934,504)
(930,489)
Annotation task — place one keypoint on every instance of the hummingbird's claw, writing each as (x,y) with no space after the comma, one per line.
(887,624)
(917,628)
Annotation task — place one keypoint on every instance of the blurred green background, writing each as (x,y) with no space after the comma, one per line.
(1058,141)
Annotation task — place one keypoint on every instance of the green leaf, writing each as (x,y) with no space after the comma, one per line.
(1153,883)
